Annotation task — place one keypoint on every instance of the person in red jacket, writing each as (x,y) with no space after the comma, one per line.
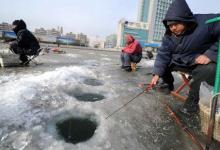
(131,53)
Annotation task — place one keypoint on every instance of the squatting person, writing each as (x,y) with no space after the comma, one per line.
(132,53)
(25,43)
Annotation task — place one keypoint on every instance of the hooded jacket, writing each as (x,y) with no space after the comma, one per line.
(25,39)
(200,38)
(132,46)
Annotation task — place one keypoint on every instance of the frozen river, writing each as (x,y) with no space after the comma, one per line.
(84,86)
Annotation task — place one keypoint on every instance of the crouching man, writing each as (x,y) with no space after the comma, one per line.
(132,53)
(25,44)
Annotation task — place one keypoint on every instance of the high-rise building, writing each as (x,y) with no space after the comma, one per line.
(143,11)
(153,12)
(149,28)
(157,12)
(82,38)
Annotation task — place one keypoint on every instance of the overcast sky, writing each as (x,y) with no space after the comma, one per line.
(92,17)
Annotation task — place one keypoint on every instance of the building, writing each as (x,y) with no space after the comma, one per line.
(143,11)
(157,12)
(40,31)
(5,27)
(49,32)
(49,35)
(82,38)
(71,35)
(111,41)
(53,32)
(153,12)
(67,39)
(138,29)
(149,27)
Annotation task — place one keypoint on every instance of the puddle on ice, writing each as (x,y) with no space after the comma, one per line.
(75,130)
(93,82)
(89,97)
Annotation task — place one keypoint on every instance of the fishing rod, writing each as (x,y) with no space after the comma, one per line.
(149,87)
(171,112)
(178,121)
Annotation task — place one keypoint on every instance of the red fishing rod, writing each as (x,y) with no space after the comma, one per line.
(190,134)
(149,87)
(178,121)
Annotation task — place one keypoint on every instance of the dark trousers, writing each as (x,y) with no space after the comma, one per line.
(126,59)
(21,51)
(199,74)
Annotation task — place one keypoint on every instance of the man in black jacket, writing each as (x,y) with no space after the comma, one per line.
(25,43)
(189,45)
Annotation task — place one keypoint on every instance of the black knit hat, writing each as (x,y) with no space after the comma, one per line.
(19,25)
(16,22)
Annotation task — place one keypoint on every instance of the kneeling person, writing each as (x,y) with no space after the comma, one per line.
(132,53)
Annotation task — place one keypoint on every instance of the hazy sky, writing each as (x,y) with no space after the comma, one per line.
(92,17)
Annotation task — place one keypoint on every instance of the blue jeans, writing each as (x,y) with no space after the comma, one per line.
(126,59)
(21,51)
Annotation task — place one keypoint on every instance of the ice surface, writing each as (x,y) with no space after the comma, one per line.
(29,101)
(33,99)
(72,55)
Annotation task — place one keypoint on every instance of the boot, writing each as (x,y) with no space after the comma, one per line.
(128,68)
(24,60)
(122,67)
(189,109)
(133,66)
(190,106)
(165,88)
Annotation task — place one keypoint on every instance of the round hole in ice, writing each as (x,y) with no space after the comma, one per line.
(89,97)
(75,130)
(92,82)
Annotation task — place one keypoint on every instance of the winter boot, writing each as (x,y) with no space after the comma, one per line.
(133,66)
(128,68)
(189,109)
(165,88)
(190,106)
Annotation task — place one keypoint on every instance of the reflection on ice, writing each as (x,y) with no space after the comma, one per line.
(93,82)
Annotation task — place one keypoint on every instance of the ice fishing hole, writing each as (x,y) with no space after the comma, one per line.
(75,130)
(89,97)
(93,82)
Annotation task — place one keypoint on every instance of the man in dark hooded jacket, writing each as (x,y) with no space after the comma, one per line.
(25,43)
(189,45)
